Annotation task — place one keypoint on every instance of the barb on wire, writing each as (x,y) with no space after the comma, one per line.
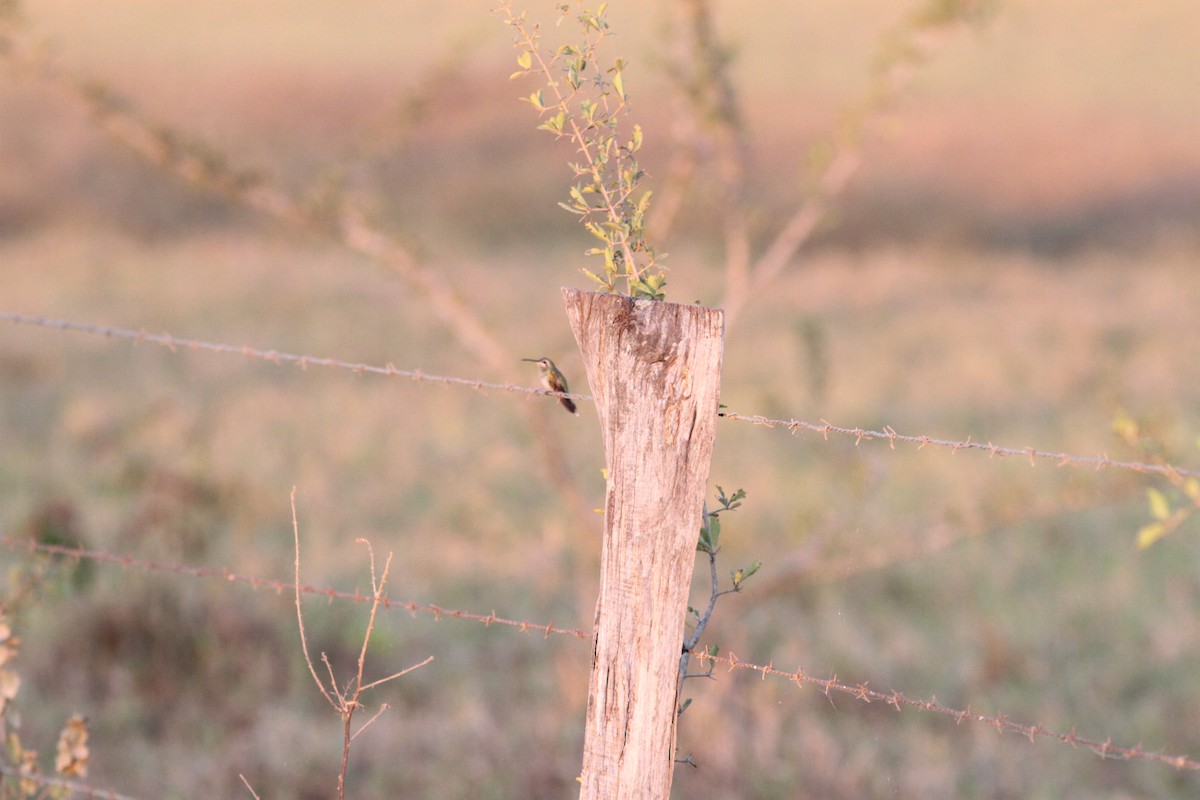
(281,586)
(861,434)
(1105,749)
(175,343)
(74,786)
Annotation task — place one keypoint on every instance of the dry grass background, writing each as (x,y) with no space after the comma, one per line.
(1016,263)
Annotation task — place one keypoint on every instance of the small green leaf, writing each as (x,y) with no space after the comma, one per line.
(1125,427)
(619,85)
(1160,509)
(555,123)
(603,283)
(525,60)
(1149,533)
(537,100)
(644,202)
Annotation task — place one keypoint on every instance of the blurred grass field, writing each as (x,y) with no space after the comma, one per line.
(1016,263)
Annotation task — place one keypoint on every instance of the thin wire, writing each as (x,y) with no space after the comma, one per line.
(824,427)
(862,691)
(891,436)
(281,586)
(175,343)
(1105,749)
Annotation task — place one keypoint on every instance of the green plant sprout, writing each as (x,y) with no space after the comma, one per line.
(586,103)
(710,544)
(1168,512)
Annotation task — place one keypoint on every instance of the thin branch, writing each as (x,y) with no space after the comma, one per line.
(376,593)
(204,165)
(377,714)
(399,674)
(249,787)
(300,614)
(899,53)
(708,121)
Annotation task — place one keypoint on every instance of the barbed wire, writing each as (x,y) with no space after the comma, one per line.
(861,691)
(280,586)
(1032,453)
(175,343)
(825,428)
(75,786)
(291,211)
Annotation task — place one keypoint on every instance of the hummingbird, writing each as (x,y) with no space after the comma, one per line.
(553,380)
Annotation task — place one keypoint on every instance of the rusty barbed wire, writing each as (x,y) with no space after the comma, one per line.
(75,786)
(175,343)
(280,586)
(861,691)
(891,436)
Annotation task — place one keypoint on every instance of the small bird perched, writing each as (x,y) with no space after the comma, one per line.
(553,380)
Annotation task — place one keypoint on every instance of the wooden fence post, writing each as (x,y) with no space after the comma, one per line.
(655,371)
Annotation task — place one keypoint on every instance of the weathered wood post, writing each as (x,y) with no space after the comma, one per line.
(655,371)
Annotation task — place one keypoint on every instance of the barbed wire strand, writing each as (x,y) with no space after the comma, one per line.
(861,691)
(825,428)
(891,436)
(75,786)
(175,343)
(280,586)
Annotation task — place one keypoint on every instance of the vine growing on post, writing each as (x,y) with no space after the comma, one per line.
(710,544)
(586,102)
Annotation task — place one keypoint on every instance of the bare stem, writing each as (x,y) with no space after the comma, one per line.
(300,614)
